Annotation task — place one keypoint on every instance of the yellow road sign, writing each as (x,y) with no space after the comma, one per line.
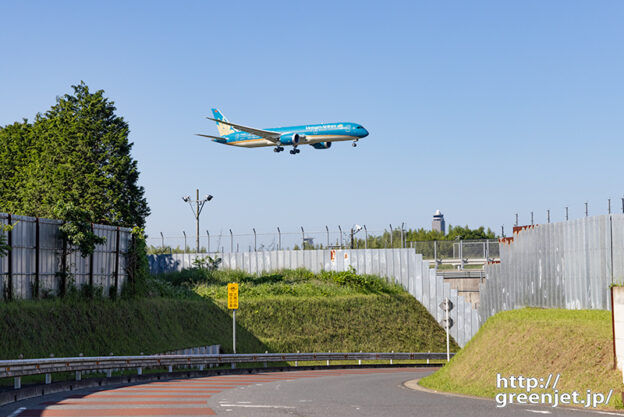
(232,296)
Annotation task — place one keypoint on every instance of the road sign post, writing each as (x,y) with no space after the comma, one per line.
(447,306)
(233,305)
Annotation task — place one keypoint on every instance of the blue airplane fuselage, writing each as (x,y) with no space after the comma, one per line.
(308,134)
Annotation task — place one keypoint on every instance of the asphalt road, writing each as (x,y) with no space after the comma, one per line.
(344,393)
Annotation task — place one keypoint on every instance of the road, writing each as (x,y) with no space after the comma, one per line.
(344,393)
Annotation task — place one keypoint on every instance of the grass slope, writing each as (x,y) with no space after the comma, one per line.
(287,311)
(98,327)
(535,343)
(371,323)
(296,310)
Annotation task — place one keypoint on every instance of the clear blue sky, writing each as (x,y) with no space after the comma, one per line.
(480,109)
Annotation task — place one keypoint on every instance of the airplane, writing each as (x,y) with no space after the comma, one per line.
(319,136)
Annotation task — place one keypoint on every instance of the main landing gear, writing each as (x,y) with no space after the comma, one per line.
(293,151)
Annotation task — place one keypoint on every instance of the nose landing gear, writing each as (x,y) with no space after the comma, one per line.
(354,144)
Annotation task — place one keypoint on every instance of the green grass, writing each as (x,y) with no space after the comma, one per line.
(296,310)
(535,343)
(125,327)
(370,323)
(296,283)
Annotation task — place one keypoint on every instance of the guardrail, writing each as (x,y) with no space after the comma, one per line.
(23,367)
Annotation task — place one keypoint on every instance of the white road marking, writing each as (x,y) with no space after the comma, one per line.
(243,402)
(16,412)
(539,411)
(255,406)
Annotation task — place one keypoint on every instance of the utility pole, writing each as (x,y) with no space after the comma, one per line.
(197,209)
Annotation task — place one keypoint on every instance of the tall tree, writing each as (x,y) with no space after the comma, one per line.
(78,153)
(15,140)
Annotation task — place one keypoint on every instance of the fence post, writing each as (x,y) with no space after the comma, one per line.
(91,264)
(208,246)
(461,252)
(279,239)
(37,265)
(231,242)
(10,259)
(117,261)
(340,229)
(63,288)
(365,238)
(327,228)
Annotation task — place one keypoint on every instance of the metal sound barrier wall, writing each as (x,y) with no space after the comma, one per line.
(402,266)
(560,265)
(35,260)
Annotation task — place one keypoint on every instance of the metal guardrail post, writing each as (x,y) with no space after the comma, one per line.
(17,382)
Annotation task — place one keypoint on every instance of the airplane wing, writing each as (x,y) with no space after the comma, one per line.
(266,134)
(211,137)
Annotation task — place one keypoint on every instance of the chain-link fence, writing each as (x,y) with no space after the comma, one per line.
(457,249)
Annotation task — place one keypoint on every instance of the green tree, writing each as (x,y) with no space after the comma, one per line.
(77,229)
(15,141)
(466,233)
(77,152)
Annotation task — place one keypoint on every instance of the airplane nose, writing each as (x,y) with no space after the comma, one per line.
(364,133)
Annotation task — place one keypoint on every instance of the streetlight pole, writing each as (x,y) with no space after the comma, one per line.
(199,205)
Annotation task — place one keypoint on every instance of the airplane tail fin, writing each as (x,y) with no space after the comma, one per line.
(223,129)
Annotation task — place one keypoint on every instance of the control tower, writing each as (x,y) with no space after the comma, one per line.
(438,224)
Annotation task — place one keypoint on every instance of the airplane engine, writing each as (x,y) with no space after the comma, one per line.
(322,145)
(291,139)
